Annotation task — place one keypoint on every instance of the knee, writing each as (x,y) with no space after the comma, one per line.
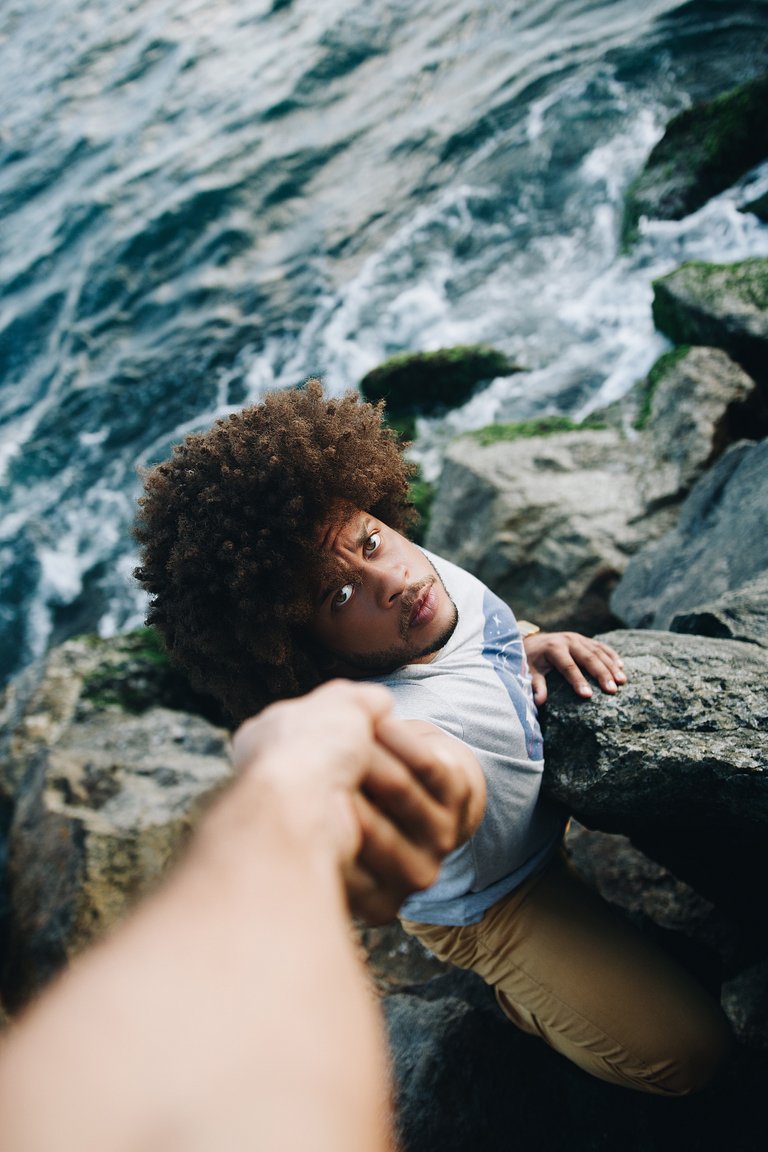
(693,1060)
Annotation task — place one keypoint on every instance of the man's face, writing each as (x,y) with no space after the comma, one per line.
(391,609)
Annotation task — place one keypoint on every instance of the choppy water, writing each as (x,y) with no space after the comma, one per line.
(204,199)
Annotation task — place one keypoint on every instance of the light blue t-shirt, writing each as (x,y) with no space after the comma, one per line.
(478,689)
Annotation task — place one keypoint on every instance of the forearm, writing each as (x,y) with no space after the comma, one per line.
(246,952)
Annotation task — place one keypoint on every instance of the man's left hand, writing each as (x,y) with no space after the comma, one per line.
(572,655)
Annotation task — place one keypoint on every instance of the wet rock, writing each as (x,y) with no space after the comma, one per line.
(704,150)
(426,382)
(723,305)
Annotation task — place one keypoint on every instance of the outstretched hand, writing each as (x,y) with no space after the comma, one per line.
(573,656)
(388,803)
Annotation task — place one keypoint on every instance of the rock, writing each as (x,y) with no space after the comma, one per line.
(745,999)
(725,305)
(695,402)
(719,544)
(548,523)
(738,615)
(676,761)
(704,150)
(105,797)
(426,382)
(466,1078)
(758,206)
(396,960)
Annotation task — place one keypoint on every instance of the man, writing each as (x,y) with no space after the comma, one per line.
(198,1025)
(274,550)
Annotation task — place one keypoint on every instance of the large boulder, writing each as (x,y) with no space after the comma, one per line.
(741,614)
(677,761)
(719,544)
(102,782)
(704,150)
(724,305)
(547,523)
(695,402)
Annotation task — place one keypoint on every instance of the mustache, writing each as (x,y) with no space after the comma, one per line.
(409,598)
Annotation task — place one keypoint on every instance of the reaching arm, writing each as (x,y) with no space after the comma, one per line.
(230,1010)
(572,655)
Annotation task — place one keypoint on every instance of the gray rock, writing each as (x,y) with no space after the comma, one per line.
(677,761)
(548,523)
(105,798)
(696,401)
(719,544)
(721,305)
(738,615)
(681,747)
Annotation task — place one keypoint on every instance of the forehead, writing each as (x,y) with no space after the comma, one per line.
(343,531)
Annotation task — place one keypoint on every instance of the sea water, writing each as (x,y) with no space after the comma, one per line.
(201,200)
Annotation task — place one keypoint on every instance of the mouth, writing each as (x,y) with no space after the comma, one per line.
(420,607)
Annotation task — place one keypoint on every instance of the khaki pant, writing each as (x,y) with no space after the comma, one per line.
(569,969)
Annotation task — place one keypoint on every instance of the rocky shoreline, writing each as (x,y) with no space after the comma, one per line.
(653,521)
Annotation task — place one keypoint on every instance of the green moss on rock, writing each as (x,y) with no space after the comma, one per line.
(665,363)
(703,151)
(525,429)
(423,383)
(720,305)
(422,495)
(134,674)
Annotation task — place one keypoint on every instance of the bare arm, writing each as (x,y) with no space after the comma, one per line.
(230,1011)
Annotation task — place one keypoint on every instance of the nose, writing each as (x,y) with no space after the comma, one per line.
(391,582)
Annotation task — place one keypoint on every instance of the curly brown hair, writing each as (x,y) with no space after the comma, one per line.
(228,533)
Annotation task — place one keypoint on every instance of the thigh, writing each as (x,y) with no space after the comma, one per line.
(567,967)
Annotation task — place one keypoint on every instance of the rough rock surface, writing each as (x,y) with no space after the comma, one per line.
(738,615)
(725,305)
(719,544)
(699,401)
(678,761)
(551,522)
(106,797)
(545,522)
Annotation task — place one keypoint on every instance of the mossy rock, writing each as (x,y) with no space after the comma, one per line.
(134,674)
(720,305)
(526,429)
(703,151)
(426,383)
(646,388)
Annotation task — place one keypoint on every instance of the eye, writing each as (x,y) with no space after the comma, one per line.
(372,543)
(343,596)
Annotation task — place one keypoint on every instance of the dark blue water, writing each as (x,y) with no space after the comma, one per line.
(202,200)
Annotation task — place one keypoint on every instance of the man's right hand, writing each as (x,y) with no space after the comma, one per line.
(416,805)
(390,798)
